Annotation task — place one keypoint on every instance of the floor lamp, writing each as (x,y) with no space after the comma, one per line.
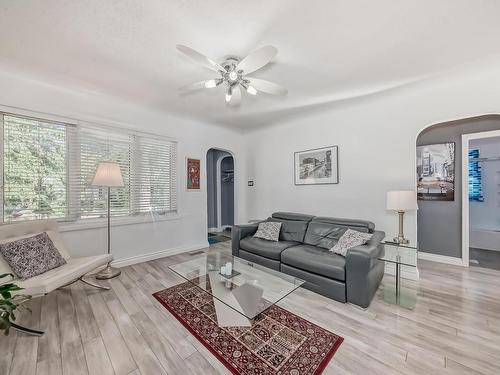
(108,174)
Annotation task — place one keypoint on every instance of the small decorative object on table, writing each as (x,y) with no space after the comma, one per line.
(228,272)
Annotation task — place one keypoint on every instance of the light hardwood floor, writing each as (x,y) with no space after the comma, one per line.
(455,328)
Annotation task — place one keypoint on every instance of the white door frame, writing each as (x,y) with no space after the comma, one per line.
(218,174)
(219,190)
(465,188)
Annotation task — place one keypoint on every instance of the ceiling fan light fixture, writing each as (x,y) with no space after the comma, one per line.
(251,90)
(211,84)
(233,73)
(233,76)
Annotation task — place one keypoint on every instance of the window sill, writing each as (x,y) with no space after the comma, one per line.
(116,222)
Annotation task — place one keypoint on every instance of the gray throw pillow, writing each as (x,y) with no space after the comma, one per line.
(268,231)
(351,238)
(31,256)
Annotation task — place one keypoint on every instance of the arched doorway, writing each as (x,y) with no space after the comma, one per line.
(220,195)
(444,230)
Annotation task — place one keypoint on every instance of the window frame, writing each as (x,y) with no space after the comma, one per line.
(72,219)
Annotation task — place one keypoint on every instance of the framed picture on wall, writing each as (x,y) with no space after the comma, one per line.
(317,166)
(193,174)
(436,172)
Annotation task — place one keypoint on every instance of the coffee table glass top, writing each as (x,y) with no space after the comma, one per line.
(250,293)
(400,254)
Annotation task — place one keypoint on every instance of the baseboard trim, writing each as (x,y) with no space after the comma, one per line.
(157,254)
(440,258)
(213,229)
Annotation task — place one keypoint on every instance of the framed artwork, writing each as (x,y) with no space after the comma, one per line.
(317,166)
(436,172)
(193,174)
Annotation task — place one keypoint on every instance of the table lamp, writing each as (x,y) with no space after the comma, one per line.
(401,201)
(108,174)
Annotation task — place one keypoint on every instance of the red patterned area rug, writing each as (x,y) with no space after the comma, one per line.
(278,342)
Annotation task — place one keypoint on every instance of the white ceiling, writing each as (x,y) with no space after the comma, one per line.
(329,50)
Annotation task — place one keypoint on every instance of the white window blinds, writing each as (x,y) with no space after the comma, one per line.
(96,145)
(153,180)
(48,170)
(34,167)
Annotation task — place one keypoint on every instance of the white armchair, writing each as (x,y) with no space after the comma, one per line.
(75,268)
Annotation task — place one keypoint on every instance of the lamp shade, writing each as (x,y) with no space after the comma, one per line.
(108,173)
(401,200)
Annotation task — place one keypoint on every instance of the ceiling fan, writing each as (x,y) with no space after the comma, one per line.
(233,73)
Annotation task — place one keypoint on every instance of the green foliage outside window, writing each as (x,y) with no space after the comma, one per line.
(34,169)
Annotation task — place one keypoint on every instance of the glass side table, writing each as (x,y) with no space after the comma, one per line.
(400,255)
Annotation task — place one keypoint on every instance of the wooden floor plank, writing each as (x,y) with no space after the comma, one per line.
(49,345)
(85,318)
(97,358)
(118,352)
(7,346)
(72,354)
(25,352)
(147,362)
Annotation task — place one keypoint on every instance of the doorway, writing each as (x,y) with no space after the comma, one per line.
(220,195)
(481,199)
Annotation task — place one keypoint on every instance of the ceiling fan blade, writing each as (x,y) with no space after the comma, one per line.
(257,59)
(208,84)
(200,58)
(266,86)
(233,96)
(192,87)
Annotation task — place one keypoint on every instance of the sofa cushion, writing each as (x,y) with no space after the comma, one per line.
(351,238)
(292,216)
(324,235)
(268,231)
(359,225)
(268,249)
(316,260)
(57,277)
(291,230)
(31,256)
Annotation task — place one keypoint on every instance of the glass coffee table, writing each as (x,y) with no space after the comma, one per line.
(240,299)
(400,255)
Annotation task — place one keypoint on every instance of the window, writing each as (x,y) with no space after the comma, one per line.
(34,169)
(48,168)
(96,145)
(475,177)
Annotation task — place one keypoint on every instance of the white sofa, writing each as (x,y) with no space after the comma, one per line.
(73,270)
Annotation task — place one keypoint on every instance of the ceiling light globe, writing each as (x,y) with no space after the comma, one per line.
(210,84)
(233,76)
(251,90)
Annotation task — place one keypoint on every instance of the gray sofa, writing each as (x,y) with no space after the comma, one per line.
(302,251)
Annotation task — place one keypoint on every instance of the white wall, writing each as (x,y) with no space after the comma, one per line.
(184,231)
(376,138)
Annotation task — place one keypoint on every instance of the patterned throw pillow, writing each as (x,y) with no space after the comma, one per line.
(351,238)
(268,231)
(31,256)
